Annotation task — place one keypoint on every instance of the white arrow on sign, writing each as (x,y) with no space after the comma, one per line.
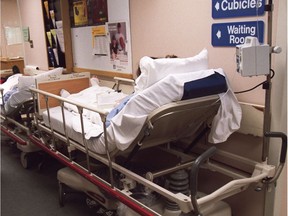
(217,6)
(218,34)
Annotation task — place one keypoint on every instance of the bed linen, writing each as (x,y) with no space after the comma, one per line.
(98,97)
(126,125)
(95,144)
(10,83)
(23,83)
(153,70)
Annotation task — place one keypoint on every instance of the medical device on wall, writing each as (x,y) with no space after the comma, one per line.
(252,58)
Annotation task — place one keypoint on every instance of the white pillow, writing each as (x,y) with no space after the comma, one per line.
(27,81)
(153,70)
(54,72)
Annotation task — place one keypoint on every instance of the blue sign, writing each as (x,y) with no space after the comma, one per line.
(237,8)
(234,33)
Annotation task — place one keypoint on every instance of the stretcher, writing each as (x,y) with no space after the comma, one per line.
(119,174)
(17,125)
(17,110)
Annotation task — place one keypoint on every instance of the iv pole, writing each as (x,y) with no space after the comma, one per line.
(268,85)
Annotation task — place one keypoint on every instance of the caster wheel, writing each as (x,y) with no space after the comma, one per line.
(25,160)
(91,203)
(61,194)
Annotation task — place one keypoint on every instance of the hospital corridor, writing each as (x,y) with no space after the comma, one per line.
(151,108)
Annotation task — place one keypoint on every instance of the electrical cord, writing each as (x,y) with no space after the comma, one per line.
(247,90)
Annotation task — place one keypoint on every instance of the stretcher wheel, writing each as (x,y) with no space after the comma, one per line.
(25,160)
(61,193)
(91,203)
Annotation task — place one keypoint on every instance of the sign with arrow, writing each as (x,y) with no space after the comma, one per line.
(237,8)
(234,33)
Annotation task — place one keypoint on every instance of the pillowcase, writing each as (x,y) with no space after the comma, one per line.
(153,70)
(27,81)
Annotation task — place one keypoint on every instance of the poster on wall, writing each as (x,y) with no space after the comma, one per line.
(13,35)
(88,12)
(98,12)
(92,44)
(99,41)
(80,13)
(118,44)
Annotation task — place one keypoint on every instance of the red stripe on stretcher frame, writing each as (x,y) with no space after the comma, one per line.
(13,136)
(139,209)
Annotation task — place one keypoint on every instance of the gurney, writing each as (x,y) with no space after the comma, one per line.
(125,176)
(17,110)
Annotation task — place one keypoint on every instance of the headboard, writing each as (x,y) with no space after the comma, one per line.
(73,83)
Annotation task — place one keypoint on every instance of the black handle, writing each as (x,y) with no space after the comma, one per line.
(284,143)
(195,168)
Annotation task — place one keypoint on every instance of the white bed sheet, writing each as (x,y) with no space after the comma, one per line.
(23,83)
(127,124)
(10,83)
(94,144)
(17,98)
(94,96)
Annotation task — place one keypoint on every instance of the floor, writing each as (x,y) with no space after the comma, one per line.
(34,191)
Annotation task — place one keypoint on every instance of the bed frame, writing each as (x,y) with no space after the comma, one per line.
(159,132)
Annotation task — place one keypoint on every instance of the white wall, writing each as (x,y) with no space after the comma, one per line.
(279,104)
(32,17)
(183,28)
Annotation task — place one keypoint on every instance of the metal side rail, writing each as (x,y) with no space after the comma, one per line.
(262,173)
(13,136)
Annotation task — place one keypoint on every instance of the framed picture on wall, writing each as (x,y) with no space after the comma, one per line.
(80,13)
(88,12)
(117,32)
(98,12)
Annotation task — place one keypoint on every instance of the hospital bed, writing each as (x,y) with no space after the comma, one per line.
(122,162)
(17,109)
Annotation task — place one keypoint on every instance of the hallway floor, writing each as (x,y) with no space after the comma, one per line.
(34,191)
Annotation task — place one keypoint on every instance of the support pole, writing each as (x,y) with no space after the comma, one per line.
(268,85)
